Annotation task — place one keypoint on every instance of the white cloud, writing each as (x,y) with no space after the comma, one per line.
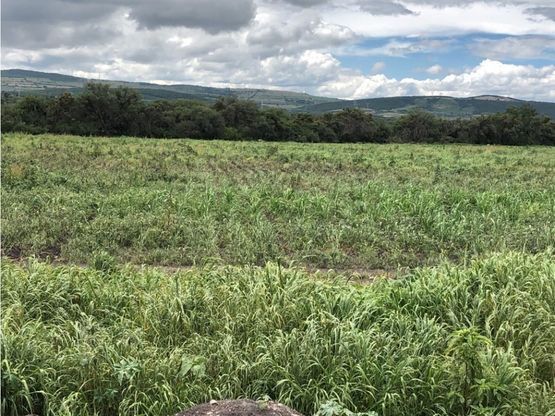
(309,69)
(377,67)
(489,77)
(525,47)
(427,20)
(293,44)
(291,34)
(398,48)
(383,7)
(434,69)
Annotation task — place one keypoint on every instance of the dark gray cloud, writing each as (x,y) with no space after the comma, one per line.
(450,3)
(213,16)
(383,7)
(55,23)
(462,3)
(46,35)
(31,24)
(515,47)
(306,3)
(377,7)
(548,12)
(25,11)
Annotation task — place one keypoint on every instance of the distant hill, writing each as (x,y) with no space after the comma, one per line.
(443,106)
(25,82)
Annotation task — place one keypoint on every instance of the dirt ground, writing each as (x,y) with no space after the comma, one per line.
(239,408)
(358,276)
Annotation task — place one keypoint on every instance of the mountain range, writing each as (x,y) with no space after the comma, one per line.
(26,82)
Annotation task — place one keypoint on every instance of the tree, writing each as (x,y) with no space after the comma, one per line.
(110,111)
(523,125)
(516,126)
(98,109)
(156,119)
(352,125)
(272,124)
(128,105)
(62,113)
(183,118)
(33,114)
(306,128)
(418,126)
(12,117)
(238,114)
(102,110)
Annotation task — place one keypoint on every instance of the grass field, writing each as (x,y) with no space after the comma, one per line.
(473,340)
(182,202)
(467,327)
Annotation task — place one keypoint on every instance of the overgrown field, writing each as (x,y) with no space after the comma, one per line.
(452,340)
(346,206)
(467,327)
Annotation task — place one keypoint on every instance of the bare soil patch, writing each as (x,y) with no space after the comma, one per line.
(360,276)
(239,408)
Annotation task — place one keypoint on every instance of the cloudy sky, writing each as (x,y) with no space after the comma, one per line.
(347,49)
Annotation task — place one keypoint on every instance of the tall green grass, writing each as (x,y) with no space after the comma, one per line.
(475,339)
(184,202)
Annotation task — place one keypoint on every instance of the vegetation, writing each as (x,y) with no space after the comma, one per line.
(102,110)
(186,202)
(466,328)
(17,82)
(441,106)
(468,340)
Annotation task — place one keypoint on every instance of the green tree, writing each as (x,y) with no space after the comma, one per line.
(272,124)
(63,114)
(190,119)
(98,109)
(129,106)
(33,113)
(238,114)
(352,125)
(418,126)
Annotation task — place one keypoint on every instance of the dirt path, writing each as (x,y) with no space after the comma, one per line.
(359,275)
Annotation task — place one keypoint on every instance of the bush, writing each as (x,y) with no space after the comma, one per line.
(104,262)
(101,110)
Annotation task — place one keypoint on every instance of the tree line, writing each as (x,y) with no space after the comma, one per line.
(105,111)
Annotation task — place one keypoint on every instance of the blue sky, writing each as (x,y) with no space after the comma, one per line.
(346,49)
(452,54)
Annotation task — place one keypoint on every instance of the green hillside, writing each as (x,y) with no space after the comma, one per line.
(440,106)
(25,82)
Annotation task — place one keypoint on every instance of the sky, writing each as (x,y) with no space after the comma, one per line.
(346,49)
